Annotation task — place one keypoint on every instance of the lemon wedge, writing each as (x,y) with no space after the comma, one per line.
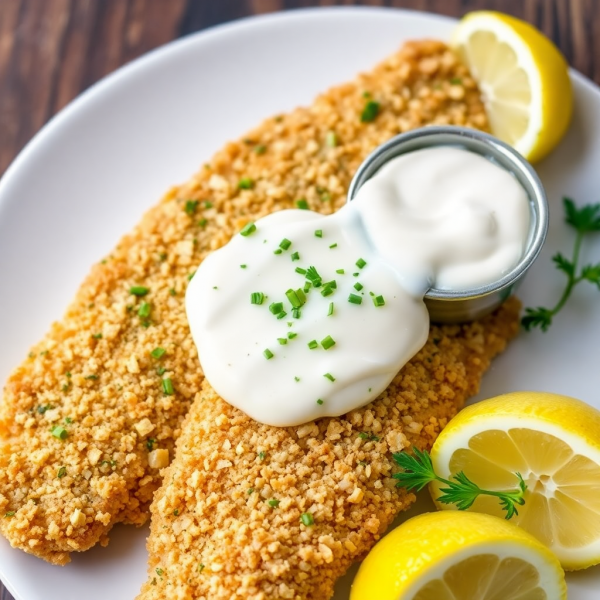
(459,556)
(523,77)
(554,443)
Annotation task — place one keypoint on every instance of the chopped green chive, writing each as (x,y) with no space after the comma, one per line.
(296,379)
(276,307)
(319,401)
(327,291)
(278,251)
(370,111)
(208,204)
(158,353)
(291,335)
(60,432)
(191,206)
(297,298)
(296,313)
(319,233)
(61,472)
(159,571)
(284,244)
(150,444)
(92,377)
(97,336)
(330,311)
(260,149)
(456,81)
(307,287)
(283,314)
(360,263)
(358,286)
(167,386)
(282,341)
(340,271)
(313,344)
(173,292)
(333,246)
(329,376)
(262,455)
(355,274)
(248,229)
(9,514)
(274,503)
(191,276)
(302,204)
(301,270)
(307,519)
(328,342)
(331,139)
(313,276)
(139,290)
(354,299)
(161,370)
(268,354)
(68,420)
(246,183)
(378,301)
(202,222)
(250,491)
(295,256)
(144,310)
(257,298)
(243,266)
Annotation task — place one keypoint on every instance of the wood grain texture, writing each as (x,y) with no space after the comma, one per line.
(52,50)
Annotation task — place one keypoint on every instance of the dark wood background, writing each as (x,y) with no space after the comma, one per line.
(51,50)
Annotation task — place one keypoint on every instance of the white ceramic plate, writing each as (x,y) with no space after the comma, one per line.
(87,177)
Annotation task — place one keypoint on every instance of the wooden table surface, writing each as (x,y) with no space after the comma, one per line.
(52,50)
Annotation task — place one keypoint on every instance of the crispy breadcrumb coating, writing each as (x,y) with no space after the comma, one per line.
(227,521)
(89,419)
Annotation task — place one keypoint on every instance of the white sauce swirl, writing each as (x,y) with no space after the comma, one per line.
(441,217)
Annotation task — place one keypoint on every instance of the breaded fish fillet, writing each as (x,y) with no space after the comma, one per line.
(89,419)
(227,523)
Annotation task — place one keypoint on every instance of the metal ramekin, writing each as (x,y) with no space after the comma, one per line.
(457,306)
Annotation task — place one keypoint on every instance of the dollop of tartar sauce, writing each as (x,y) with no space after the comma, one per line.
(303,316)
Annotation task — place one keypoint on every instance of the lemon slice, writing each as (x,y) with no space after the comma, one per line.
(459,556)
(554,443)
(523,77)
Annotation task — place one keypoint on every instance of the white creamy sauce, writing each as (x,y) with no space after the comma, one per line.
(438,217)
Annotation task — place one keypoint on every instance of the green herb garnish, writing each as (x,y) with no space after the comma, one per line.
(291,335)
(158,353)
(282,341)
(358,286)
(285,244)
(354,299)
(360,263)
(139,290)
(328,342)
(191,206)
(295,256)
(418,472)
(167,386)
(246,183)
(60,432)
(268,354)
(330,311)
(319,402)
(331,139)
(144,310)
(274,503)
(584,220)
(257,298)
(319,233)
(276,307)
(248,229)
(302,204)
(378,301)
(300,270)
(61,472)
(307,519)
(313,344)
(370,111)
(260,149)
(329,376)
(97,336)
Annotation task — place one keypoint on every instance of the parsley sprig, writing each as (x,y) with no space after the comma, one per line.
(584,220)
(418,472)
